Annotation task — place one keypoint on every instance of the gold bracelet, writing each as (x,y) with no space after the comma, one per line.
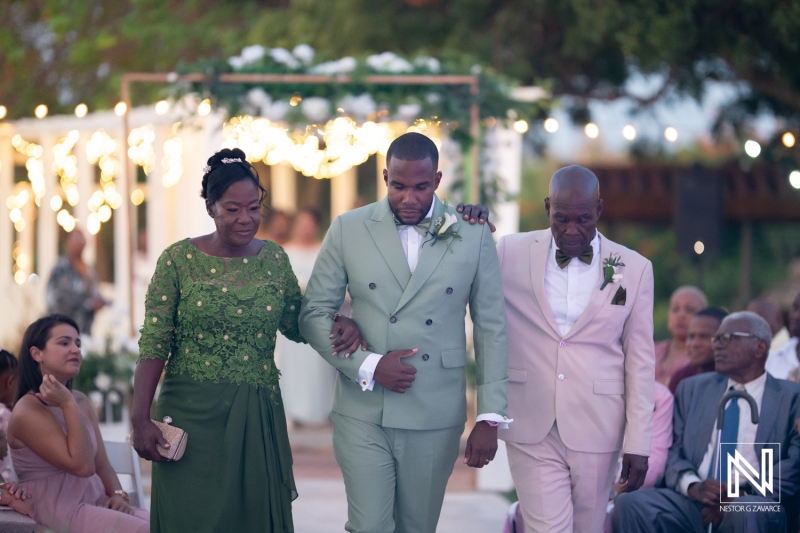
(122,494)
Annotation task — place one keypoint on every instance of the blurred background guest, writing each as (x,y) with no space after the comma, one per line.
(784,363)
(306,379)
(72,287)
(277,227)
(671,354)
(702,329)
(771,312)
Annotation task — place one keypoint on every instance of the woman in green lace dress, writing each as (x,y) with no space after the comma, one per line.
(213,308)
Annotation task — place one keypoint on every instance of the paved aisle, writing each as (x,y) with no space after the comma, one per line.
(322,508)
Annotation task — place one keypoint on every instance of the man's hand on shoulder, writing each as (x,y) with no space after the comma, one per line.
(392,374)
(475,212)
(481,445)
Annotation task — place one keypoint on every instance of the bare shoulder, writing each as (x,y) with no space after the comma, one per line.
(27,411)
(84,403)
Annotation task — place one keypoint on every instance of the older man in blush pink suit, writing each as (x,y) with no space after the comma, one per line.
(581,364)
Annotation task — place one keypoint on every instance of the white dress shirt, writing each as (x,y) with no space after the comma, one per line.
(783,360)
(780,339)
(412,242)
(569,289)
(745,438)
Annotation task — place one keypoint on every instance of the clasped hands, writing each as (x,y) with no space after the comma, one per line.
(711,493)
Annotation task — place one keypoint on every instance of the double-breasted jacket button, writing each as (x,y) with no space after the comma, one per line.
(429,322)
(372,286)
(449,290)
(425,357)
(393,319)
(561,377)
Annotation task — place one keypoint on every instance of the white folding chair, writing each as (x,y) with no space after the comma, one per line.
(125,462)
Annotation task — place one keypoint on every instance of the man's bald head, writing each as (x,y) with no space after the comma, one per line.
(573,207)
(769,311)
(575,178)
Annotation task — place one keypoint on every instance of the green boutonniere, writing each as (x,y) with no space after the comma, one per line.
(611,273)
(445,227)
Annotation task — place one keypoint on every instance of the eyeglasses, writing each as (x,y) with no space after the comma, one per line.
(725,339)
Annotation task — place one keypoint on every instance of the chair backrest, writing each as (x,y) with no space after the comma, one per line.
(125,462)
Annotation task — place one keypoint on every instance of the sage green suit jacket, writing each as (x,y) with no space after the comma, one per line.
(395,309)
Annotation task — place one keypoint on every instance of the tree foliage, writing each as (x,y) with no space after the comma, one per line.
(74,51)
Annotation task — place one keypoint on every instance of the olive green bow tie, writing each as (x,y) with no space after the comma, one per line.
(563,259)
(422,227)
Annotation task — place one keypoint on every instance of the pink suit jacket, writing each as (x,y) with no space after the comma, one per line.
(596,381)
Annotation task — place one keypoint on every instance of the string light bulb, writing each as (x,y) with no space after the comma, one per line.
(120,109)
(81,110)
(629,132)
(788,139)
(551,125)
(204,108)
(3,112)
(40,111)
(591,130)
(794,179)
(752,148)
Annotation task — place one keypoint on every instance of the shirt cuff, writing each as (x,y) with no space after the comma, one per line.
(367,370)
(687,479)
(501,421)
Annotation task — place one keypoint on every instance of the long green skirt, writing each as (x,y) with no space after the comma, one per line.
(236,474)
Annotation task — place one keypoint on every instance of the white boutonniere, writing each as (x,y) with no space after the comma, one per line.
(611,274)
(445,227)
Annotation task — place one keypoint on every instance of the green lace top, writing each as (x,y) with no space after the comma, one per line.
(216,317)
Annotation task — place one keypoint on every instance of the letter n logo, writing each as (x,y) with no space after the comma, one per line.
(763,482)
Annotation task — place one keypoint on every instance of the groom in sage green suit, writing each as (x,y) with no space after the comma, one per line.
(399,407)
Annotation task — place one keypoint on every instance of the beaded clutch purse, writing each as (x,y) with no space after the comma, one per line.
(176,437)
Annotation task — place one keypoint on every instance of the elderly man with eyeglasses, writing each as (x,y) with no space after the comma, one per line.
(693,498)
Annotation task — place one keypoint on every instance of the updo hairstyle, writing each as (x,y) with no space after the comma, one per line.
(219,176)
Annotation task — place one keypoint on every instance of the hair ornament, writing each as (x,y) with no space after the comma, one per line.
(232,160)
(206,169)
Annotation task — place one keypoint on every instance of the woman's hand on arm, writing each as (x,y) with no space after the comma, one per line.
(345,335)
(145,434)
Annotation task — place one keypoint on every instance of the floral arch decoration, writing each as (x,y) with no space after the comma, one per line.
(324,118)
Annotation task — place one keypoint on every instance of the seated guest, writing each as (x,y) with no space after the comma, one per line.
(698,343)
(771,312)
(55,441)
(692,500)
(671,353)
(786,360)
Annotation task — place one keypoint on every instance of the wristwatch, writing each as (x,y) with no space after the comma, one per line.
(122,494)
